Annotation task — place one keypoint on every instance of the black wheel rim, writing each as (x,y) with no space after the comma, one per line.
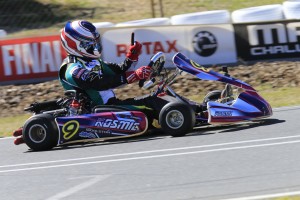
(37,133)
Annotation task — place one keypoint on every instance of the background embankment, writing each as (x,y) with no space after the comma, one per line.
(14,98)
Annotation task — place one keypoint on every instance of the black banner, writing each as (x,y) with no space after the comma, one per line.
(268,40)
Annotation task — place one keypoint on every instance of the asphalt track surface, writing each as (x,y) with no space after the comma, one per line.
(249,161)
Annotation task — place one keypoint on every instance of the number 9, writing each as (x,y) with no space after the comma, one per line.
(70,129)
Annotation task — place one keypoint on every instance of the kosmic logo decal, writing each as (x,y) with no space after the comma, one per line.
(118,124)
(205,43)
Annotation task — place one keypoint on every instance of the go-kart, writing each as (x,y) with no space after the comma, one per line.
(71,119)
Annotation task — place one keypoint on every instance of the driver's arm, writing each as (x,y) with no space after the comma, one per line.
(86,79)
(120,68)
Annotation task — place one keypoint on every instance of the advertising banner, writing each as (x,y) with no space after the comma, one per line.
(268,40)
(116,43)
(30,59)
(36,59)
(206,44)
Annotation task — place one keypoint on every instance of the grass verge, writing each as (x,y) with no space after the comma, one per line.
(9,124)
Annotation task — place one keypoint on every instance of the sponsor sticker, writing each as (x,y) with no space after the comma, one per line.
(118,124)
(89,135)
(223,113)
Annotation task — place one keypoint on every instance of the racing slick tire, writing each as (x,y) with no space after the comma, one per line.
(177,119)
(40,132)
(204,17)
(291,9)
(146,22)
(271,12)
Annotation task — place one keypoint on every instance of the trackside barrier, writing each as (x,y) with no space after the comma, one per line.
(276,40)
(30,60)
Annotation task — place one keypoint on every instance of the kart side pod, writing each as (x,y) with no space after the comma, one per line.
(101,126)
(43,131)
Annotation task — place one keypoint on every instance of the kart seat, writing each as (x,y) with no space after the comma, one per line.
(109,108)
(227,94)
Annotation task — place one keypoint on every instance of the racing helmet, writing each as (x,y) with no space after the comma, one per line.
(81,38)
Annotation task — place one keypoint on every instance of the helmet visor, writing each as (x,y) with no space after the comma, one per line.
(91,46)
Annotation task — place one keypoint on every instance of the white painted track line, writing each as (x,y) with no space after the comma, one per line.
(268,196)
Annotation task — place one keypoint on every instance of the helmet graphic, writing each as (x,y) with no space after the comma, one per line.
(81,38)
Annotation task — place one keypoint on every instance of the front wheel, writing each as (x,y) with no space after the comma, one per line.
(40,132)
(177,119)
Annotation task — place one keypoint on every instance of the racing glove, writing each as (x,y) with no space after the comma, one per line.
(139,74)
(134,51)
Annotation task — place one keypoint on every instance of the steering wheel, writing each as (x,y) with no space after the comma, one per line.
(157,62)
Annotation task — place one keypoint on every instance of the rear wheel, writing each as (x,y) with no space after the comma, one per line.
(177,119)
(40,132)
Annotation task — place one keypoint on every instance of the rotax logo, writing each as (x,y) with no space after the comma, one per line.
(205,43)
(151,48)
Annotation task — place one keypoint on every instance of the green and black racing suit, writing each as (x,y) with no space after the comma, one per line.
(98,79)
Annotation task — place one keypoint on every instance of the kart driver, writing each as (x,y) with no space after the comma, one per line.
(84,70)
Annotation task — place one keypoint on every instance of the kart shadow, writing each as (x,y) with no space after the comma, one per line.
(152,135)
(159,134)
(234,127)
